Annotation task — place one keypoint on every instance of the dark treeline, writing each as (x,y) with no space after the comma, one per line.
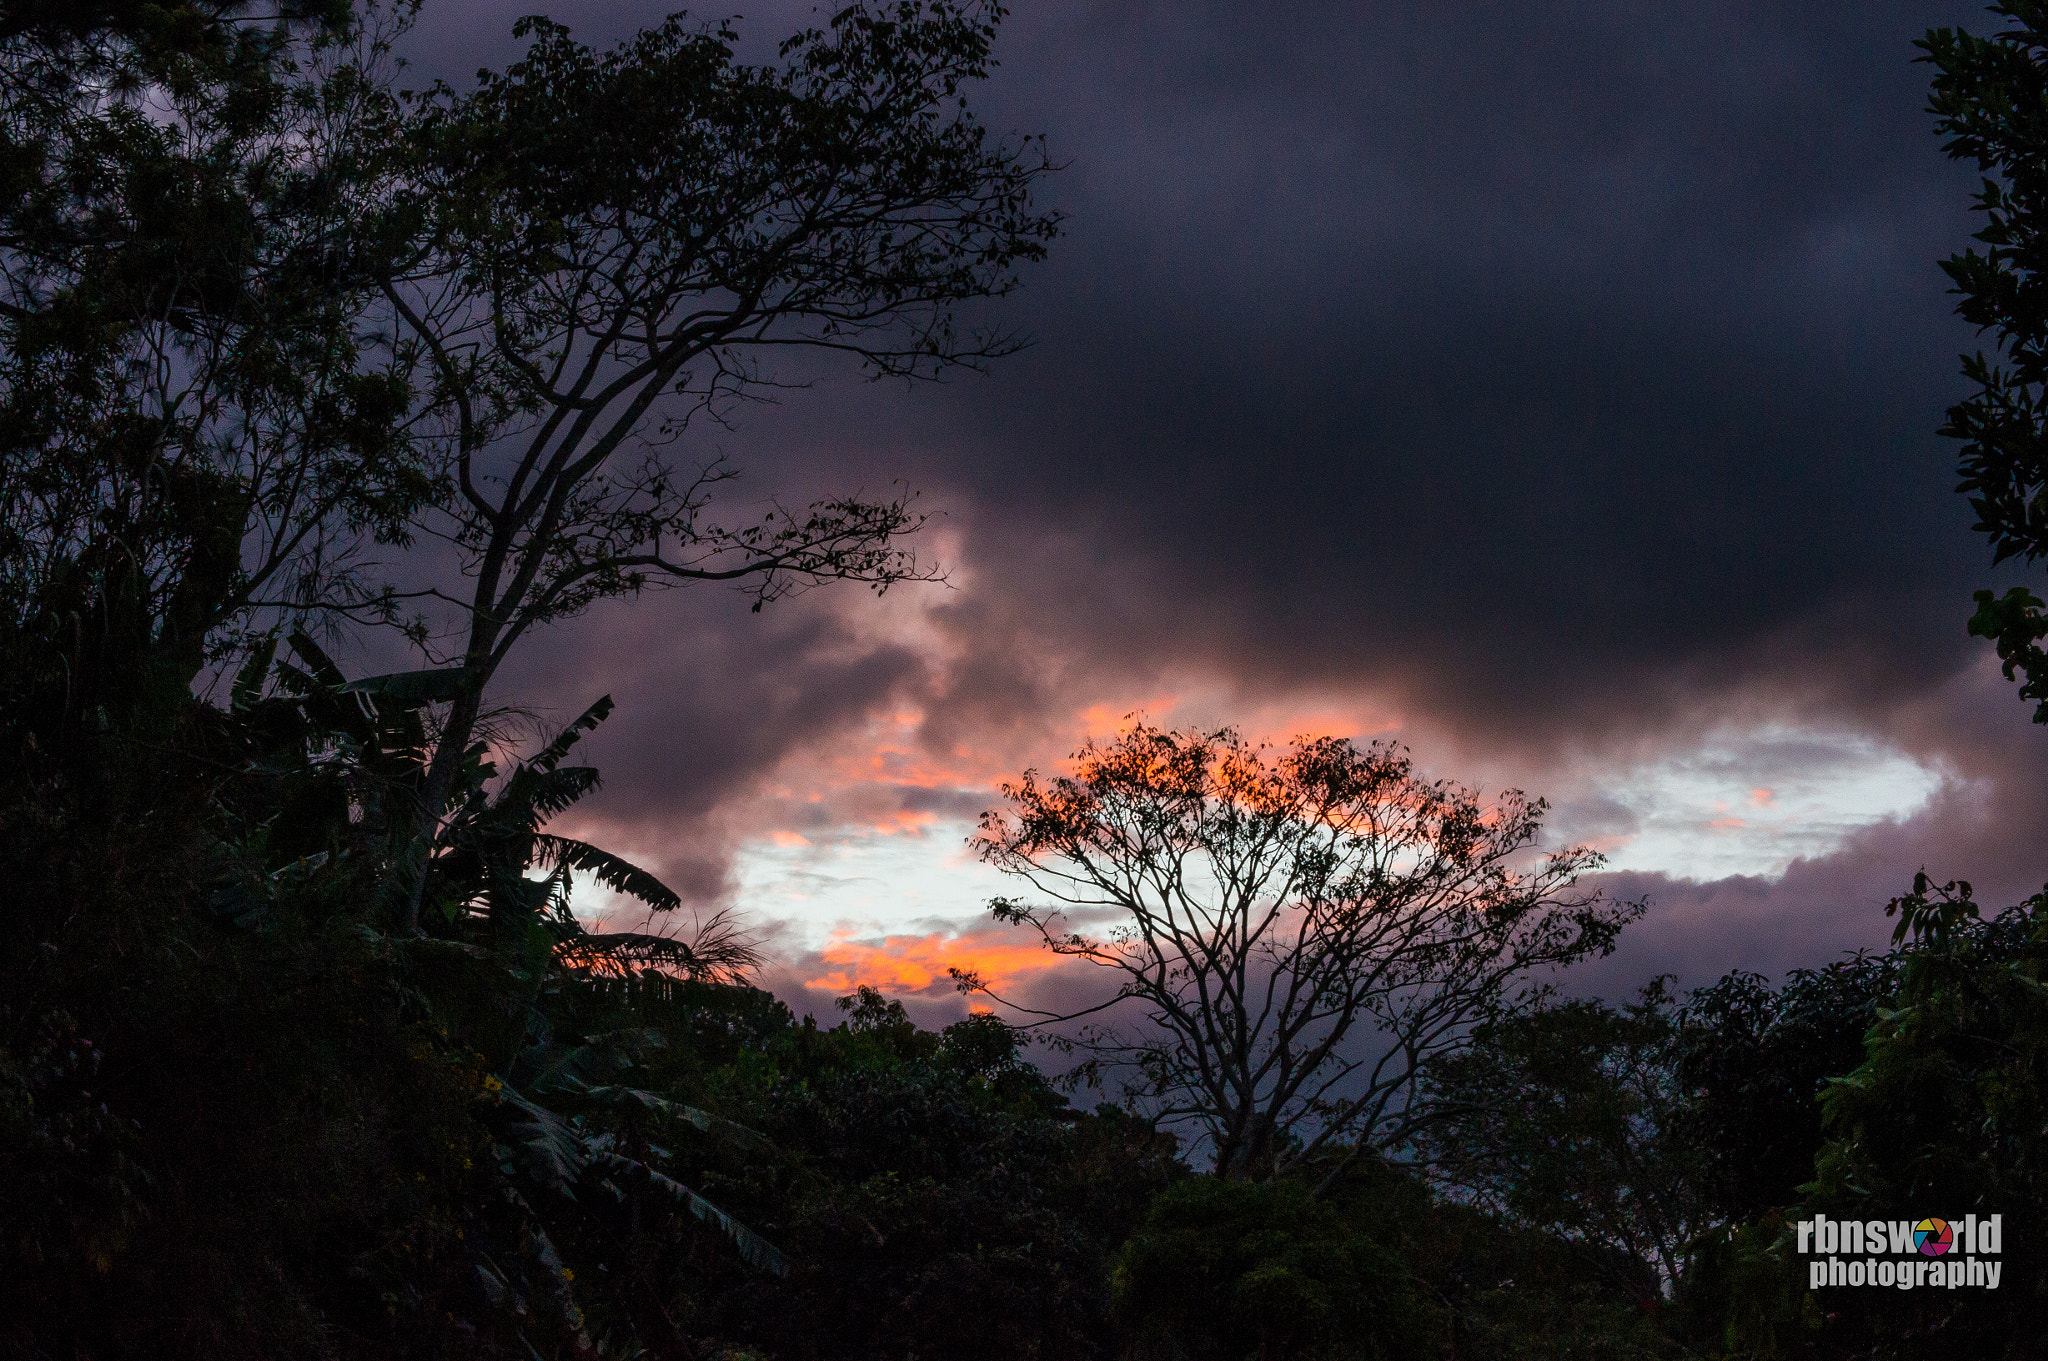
(302,1053)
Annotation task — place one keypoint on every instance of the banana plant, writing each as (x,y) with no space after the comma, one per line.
(336,767)
(327,766)
(559,1144)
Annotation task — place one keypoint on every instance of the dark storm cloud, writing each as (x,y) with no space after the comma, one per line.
(1532,352)
(1568,371)
(1525,353)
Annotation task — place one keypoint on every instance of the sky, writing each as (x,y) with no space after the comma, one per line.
(1549,387)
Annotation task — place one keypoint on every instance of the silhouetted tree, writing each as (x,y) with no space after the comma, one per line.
(1949,1109)
(1754,1060)
(608,244)
(1300,935)
(198,414)
(1571,1119)
(1990,98)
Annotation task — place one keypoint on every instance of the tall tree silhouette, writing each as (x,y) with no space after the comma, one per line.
(1299,936)
(199,414)
(608,245)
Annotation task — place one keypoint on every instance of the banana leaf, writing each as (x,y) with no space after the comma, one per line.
(754,1250)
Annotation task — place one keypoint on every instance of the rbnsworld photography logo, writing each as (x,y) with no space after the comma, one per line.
(1937,1255)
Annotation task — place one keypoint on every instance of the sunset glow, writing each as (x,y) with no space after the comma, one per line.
(919,964)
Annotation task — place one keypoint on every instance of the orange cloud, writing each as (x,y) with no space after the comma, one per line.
(919,963)
(1762,798)
(1114,720)
(863,775)
(896,762)
(902,820)
(1607,845)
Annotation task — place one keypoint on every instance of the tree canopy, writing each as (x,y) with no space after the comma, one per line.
(1298,935)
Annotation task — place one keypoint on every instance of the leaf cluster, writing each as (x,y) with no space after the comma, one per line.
(1990,101)
(192,397)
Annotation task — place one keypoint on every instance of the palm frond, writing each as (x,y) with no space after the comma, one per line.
(691,1115)
(755,1250)
(619,875)
(573,1068)
(552,754)
(718,953)
(317,661)
(248,687)
(534,793)
(411,688)
(547,1147)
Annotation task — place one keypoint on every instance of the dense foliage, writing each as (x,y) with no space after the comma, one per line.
(1950,1107)
(1573,1119)
(1990,99)
(1683,1137)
